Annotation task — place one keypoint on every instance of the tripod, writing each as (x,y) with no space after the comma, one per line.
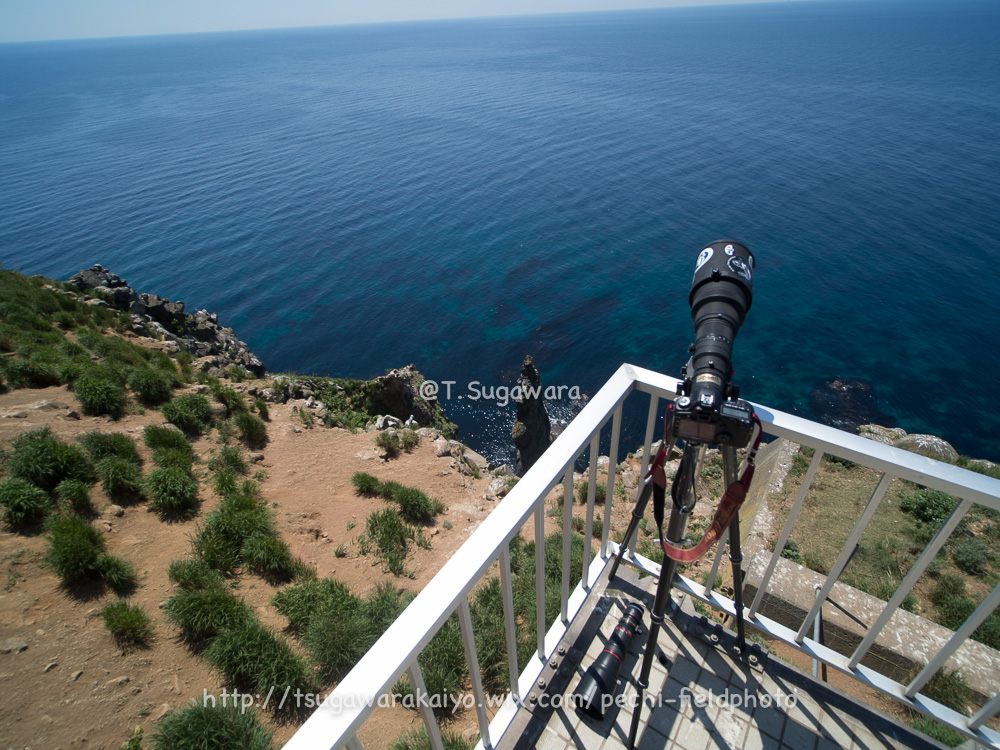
(684,498)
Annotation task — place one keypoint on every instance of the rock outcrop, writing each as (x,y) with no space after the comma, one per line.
(532,431)
(157,317)
(930,446)
(925,445)
(845,403)
(397,393)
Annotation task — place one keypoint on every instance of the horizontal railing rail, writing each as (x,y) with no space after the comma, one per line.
(337,721)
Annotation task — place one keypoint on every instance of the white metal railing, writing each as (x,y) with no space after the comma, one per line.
(335,724)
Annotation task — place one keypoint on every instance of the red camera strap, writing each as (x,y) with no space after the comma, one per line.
(736,493)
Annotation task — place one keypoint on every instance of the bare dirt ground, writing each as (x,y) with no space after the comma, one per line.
(71,687)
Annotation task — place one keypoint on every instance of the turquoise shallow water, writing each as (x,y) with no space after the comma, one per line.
(458,194)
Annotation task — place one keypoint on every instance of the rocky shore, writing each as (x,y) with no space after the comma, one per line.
(157,317)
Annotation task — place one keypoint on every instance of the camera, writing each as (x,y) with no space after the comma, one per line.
(709,409)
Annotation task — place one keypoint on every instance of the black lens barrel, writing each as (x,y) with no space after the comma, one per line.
(594,695)
(721,294)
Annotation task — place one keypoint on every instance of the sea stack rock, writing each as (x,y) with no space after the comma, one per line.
(532,431)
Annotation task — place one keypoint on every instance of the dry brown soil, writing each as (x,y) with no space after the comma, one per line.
(73,688)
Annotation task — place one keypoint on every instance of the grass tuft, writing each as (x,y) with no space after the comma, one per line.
(128,624)
(172,492)
(74,497)
(203,726)
(23,503)
(191,413)
(203,613)
(252,430)
(193,574)
(121,479)
(74,548)
(252,658)
(101,445)
(153,387)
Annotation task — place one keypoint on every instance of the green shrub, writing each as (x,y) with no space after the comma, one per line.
(366,484)
(252,658)
(388,441)
(937,731)
(41,459)
(417,739)
(128,624)
(153,387)
(31,373)
(300,602)
(583,489)
(231,399)
(203,613)
(799,466)
(172,492)
(791,552)
(117,573)
(101,445)
(408,439)
(120,478)
(158,437)
(224,483)
(387,537)
(193,574)
(415,506)
(337,639)
(190,412)
(23,503)
(98,396)
(261,406)
(269,557)
(229,459)
(337,627)
(240,516)
(971,556)
(443,665)
(74,548)
(253,431)
(74,496)
(929,506)
(211,726)
(174,458)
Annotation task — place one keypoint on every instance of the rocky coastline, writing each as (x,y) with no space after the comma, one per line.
(156,317)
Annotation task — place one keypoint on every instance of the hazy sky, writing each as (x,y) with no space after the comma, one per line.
(30,20)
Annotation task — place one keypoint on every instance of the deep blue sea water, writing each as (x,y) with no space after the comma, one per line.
(458,194)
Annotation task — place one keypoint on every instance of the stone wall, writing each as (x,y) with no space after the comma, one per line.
(906,644)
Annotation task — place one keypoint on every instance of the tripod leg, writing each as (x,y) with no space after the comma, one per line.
(656,621)
(675,533)
(633,525)
(735,550)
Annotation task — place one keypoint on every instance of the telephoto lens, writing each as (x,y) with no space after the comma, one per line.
(595,693)
(721,293)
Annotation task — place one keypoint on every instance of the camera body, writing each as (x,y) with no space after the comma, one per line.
(729,423)
(709,409)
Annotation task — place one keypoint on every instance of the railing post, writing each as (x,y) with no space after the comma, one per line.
(510,626)
(469,640)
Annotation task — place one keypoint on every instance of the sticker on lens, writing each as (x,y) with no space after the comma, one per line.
(739,266)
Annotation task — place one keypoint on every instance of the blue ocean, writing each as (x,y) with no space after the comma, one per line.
(459,194)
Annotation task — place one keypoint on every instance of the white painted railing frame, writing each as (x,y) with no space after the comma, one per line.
(335,724)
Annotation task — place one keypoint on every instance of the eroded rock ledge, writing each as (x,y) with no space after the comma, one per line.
(157,317)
